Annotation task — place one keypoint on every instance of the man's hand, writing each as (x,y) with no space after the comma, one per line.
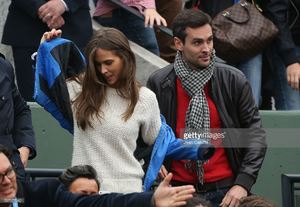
(167,196)
(56,23)
(24,155)
(51,10)
(233,196)
(151,17)
(293,75)
(47,36)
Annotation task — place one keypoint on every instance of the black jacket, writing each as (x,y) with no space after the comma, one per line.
(294,20)
(52,193)
(233,98)
(23,28)
(15,116)
(282,14)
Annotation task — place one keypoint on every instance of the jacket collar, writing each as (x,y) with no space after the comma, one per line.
(170,78)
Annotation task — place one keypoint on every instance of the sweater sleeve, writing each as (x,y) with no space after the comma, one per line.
(151,122)
(74,89)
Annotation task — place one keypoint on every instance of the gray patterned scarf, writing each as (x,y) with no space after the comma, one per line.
(193,82)
(197,115)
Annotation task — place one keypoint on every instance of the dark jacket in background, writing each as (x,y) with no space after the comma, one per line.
(294,20)
(213,7)
(281,12)
(278,12)
(52,193)
(23,28)
(15,116)
(234,101)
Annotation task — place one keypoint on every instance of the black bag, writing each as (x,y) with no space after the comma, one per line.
(241,32)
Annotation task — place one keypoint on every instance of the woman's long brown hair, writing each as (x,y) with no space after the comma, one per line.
(88,103)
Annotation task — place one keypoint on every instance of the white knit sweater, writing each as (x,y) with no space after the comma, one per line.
(109,146)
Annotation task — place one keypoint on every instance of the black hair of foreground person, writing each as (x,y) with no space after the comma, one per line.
(81,179)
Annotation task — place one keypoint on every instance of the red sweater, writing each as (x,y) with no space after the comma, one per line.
(217,167)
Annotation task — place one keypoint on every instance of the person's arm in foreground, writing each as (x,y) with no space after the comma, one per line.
(22,132)
(53,193)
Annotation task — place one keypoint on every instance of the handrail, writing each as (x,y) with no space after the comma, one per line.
(287,189)
(164,29)
(34,173)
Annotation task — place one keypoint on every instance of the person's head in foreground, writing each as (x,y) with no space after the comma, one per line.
(256,201)
(193,37)
(81,179)
(8,181)
(198,201)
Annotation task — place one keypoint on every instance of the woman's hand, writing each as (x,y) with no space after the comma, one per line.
(51,35)
(162,172)
(152,16)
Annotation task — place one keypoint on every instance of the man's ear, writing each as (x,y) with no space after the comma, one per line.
(178,43)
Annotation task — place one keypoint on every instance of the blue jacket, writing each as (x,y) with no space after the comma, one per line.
(56,61)
(168,146)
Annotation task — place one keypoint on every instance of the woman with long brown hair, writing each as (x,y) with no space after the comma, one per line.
(110,110)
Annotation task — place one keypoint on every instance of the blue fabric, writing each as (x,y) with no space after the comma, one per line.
(49,69)
(15,203)
(167,145)
(235,1)
(158,154)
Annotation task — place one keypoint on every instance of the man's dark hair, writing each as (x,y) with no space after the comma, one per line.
(6,152)
(256,201)
(189,18)
(79,171)
(197,200)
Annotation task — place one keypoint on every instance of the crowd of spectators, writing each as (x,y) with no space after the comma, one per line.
(112,112)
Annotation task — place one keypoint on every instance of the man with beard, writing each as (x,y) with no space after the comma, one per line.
(199,94)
